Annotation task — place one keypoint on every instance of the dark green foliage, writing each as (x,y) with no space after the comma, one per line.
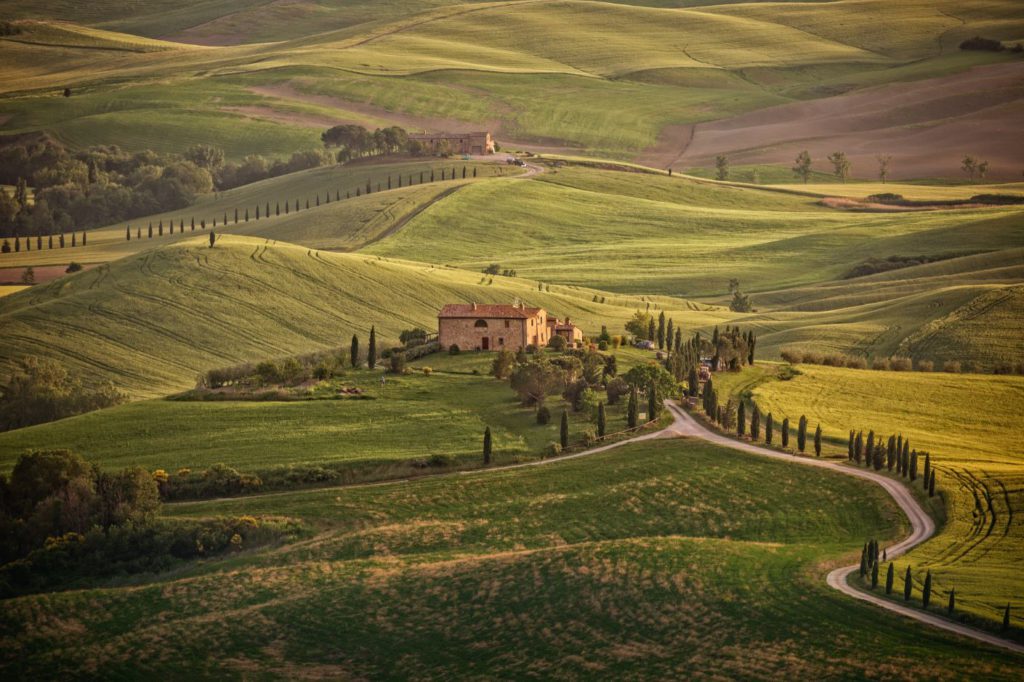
(931,484)
(927,469)
(926,592)
(40,390)
(632,410)
(874,575)
(600,420)
(213,238)
(543,415)
(951,606)
(785,432)
(890,576)
(371,352)
(487,445)
(563,430)
(801,434)
(755,424)
(769,429)
(741,419)
(858,447)
(817,441)
(1006,617)
(661,330)
(864,561)
(913,465)
(397,362)
(908,585)
(353,352)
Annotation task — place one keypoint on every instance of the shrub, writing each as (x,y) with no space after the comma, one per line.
(397,363)
(589,437)
(73,267)
(834,360)
(900,364)
(453,349)
(813,358)
(268,372)
(554,449)
(880,363)
(602,345)
(543,415)
(925,366)
(856,363)
(557,343)
(951,366)
(792,356)
(427,371)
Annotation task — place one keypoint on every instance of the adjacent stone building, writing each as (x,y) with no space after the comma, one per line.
(567,330)
(455,143)
(487,326)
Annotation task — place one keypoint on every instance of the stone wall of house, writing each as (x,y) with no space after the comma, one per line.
(498,333)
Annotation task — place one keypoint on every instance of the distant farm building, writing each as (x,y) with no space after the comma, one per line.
(567,330)
(484,326)
(455,143)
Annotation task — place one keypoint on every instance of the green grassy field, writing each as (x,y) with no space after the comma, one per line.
(964,421)
(413,417)
(152,322)
(637,562)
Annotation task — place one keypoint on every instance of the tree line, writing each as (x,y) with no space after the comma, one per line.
(40,390)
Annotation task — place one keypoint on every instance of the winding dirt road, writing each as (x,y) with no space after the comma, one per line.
(921,524)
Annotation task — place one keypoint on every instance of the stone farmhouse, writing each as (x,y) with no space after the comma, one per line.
(455,143)
(567,330)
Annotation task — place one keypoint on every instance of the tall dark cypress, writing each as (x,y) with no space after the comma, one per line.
(864,561)
(913,465)
(858,447)
(927,469)
(600,420)
(563,430)
(931,484)
(632,410)
(908,585)
(801,434)
(353,352)
(926,593)
(874,575)
(371,351)
(1006,617)
(661,330)
(741,419)
(952,602)
(652,403)
(755,424)
(817,441)
(890,576)
(849,447)
(487,445)
(769,429)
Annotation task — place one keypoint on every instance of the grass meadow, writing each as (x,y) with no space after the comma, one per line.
(965,421)
(670,550)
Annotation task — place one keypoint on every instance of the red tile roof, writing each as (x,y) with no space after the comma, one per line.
(491,310)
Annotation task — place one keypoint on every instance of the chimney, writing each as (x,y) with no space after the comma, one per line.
(474,305)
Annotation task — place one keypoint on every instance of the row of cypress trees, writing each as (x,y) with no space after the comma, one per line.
(894,454)
(61,242)
(717,414)
(244,216)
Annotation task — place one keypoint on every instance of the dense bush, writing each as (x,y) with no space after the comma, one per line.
(40,390)
(982,44)
(217,481)
(873,266)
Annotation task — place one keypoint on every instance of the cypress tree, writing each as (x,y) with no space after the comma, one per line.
(128,233)
(931,485)
(138,235)
(600,420)
(213,238)
(193,223)
(353,351)
(39,242)
(652,403)
(693,383)
(62,240)
(277,209)
(913,465)
(371,352)
(246,214)
(817,441)
(652,333)
(755,424)
(858,447)
(752,344)
(297,207)
(632,410)
(801,434)
(952,602)
(318,198)
(266,212)
(17,244)
(741,419)
(225,221)
(864,561)
(49,243)
(926,593)
(785,433)
(487,445)
(236,216)
(563,430)
(257,211)
(661,330)
(73,239)
(927,469)
(1006,617)
(874,575)
(287,207)
(869,448)
(679,338)
(906,457)
(908,585)
(849,447)
(670,333)
(769,429)
(890,576)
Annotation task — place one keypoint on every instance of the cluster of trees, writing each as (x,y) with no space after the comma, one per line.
(894,363)
(496,269)
(978,43)
(91,187)
(355,141)
(740,302)
(734,415)
(40,390)
(974,168)
(253,168)
(840,165)
(892,454)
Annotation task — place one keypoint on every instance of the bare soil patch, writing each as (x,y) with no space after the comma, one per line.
(927,126)
(43,273)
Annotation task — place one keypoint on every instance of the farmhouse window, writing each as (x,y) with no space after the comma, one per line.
(480,324)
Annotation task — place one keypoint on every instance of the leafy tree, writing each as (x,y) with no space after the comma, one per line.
(563,430)
(801,434)
(41,390)
(353,352)
(802,167)
(741,303)
(817,441)
(487,445)
(969,165)
(840,165)
(721,167)
(371,352)
(534,381)
(639,324)
(501,366)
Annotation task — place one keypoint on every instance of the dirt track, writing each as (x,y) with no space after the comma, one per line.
(927,126)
